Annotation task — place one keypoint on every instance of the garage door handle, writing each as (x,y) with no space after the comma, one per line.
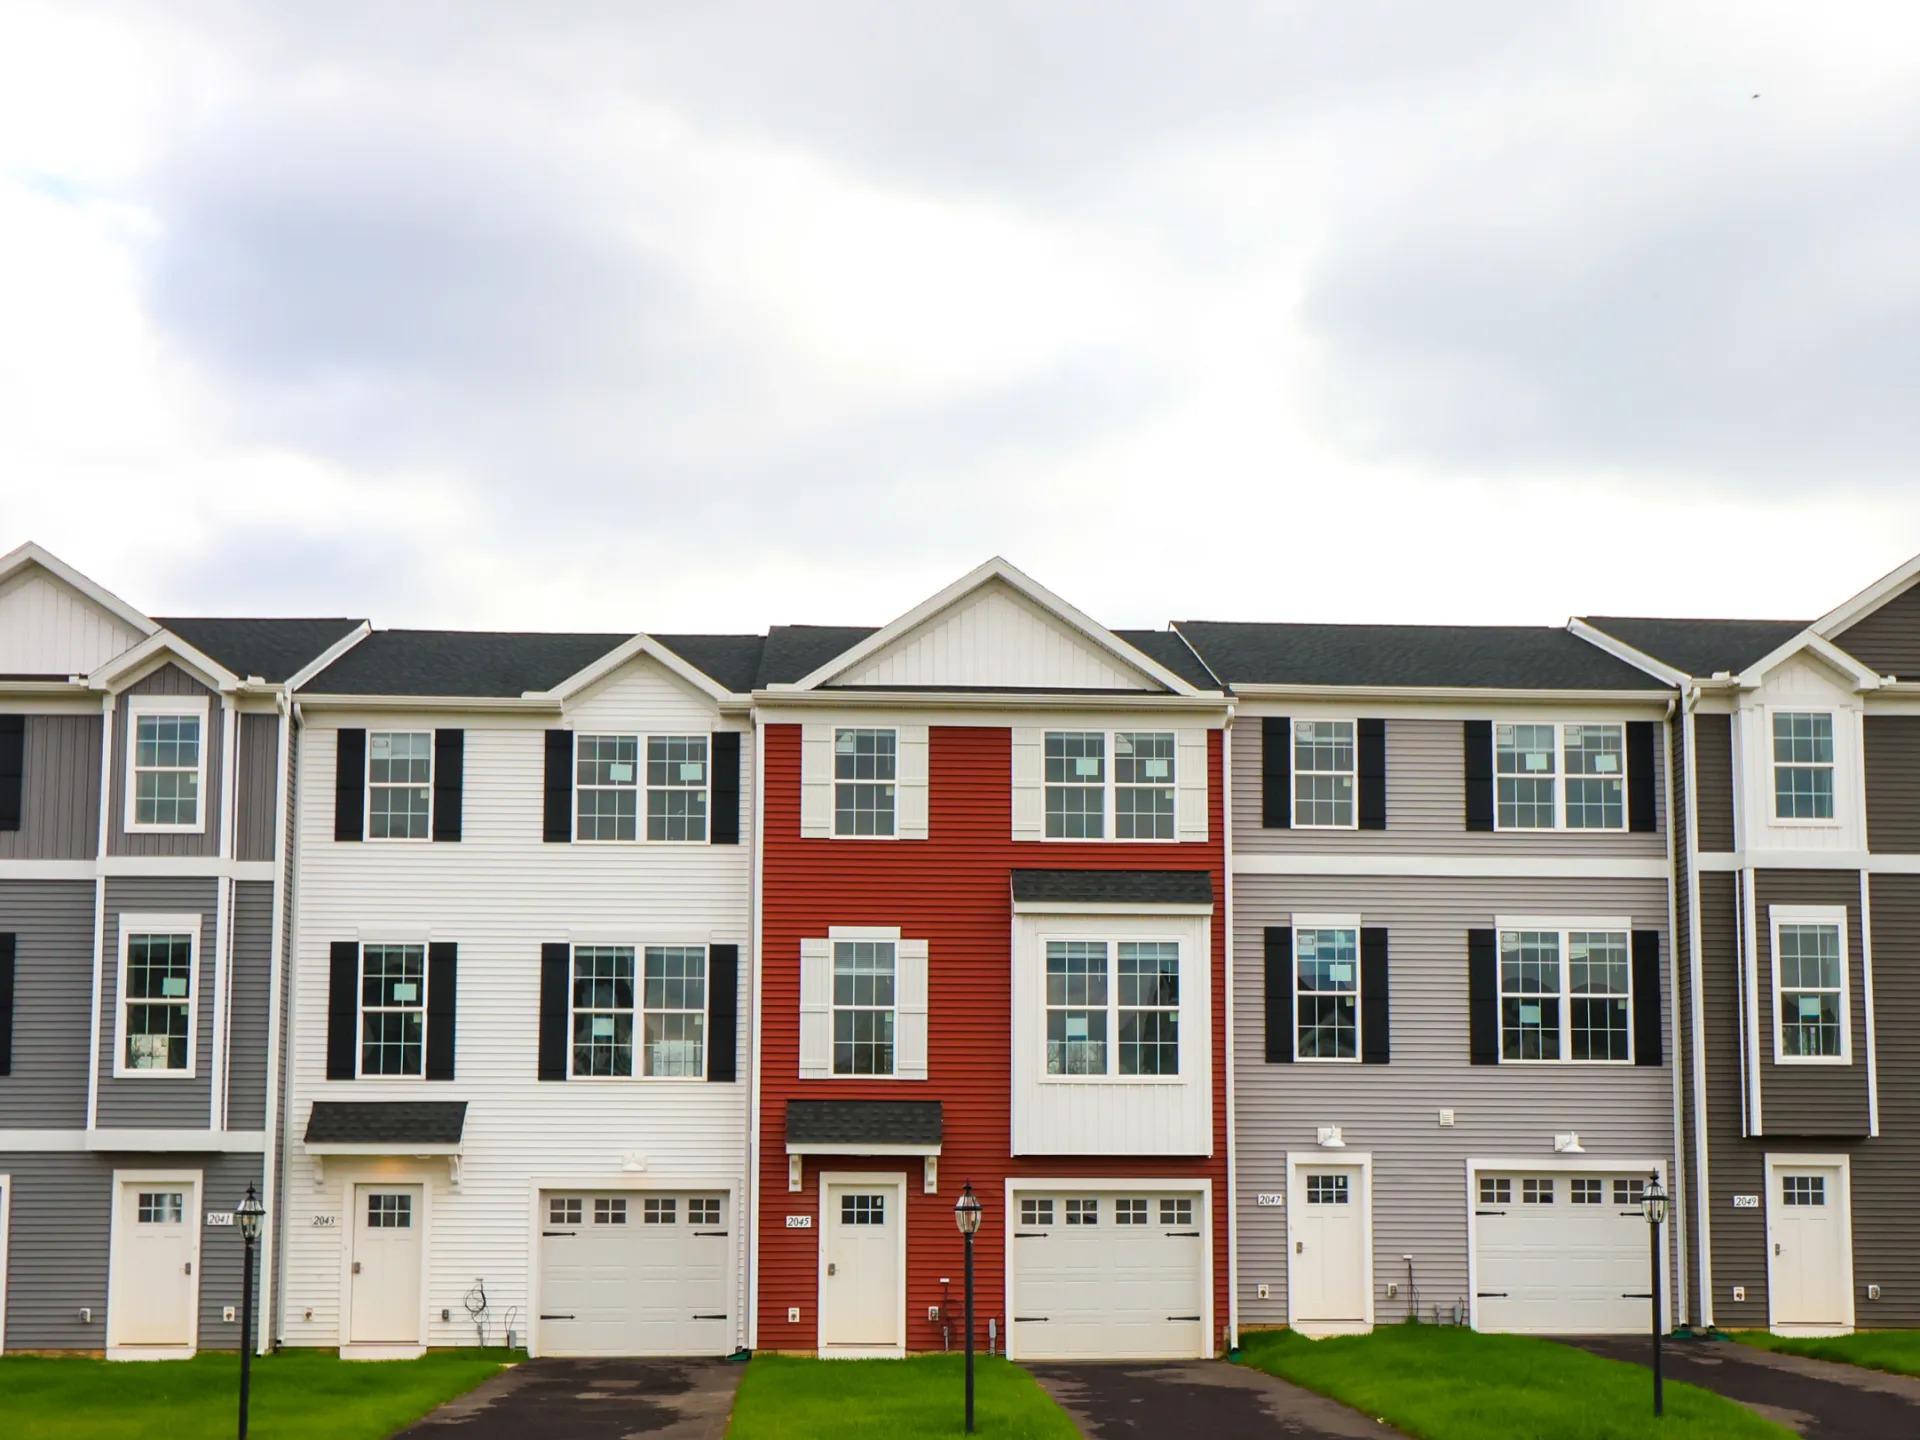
(1183,1234)
(1032,1319)
(1502,1212)
(556,1317)
(559,1234)
(710,1317)
(1183,1317)
(1029,1234)
(1490,1295)
(709,1234)
(1636,1294)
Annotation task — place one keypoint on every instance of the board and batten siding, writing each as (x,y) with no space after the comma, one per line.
(1420,1202)
(1426,802)
(256,768)
(52,921)
(167,680)
(60,791)
(49,628)
(499,893)
(1893,783)
(171,1102)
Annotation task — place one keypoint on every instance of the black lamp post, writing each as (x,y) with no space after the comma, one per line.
(966,1214)
(1655,1201)
(250,1212)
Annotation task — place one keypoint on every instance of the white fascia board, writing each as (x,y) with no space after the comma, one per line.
(1863,677)
(640,644)
(430,702)
(327,656)
(130,665)
(20,557)
(1092,907)
(1620,650)
(1010,575)
(1474,694)
(802,1147)
(1868,600)
(345,1147)
(1109,700)
(225,1142)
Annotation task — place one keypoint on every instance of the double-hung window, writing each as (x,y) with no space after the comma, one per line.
(606,787)
(1142,785)
(609,779)
(677,787)
(1113,1007)
(657,993)
(1086,799)
(166,763)
(400,785)
(866,767)
(1802,765)
(864,975)
(1323,774)
(393,1009)
(1326,961)
(1565,994)
(1810,987)
(1560,776)
(158,1010)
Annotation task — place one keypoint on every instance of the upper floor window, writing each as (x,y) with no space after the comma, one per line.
(393,1009)
(676,787)
(655,992)
(1323,774)
(864,972)
(1113,1007)
(1565,995)
(400,785)
(1802,765)
(157,1001)
(1143,785)
(865,768)
(1082,792)
(1327,993)
(167,763)
(608,782)
(1810,988)
(1552,776)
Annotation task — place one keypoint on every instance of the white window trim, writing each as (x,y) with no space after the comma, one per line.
(368,787)
(837,936)
(640,787)
(1563,925)
(834,782)
(1296,772)
(137,706)
(1110,802)
(1832,767)
(360,1010)
(1560,778)
(639,1012)
(132,924)
(1836,916)
(1326,922)
(1113,940)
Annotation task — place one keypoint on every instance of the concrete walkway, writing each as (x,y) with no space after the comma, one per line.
(592,1400)
(1813,1398)
(1210,1398)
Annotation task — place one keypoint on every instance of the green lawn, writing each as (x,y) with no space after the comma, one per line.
(297,1395)
(1446,1383)
(1897,1351)
(785,1397)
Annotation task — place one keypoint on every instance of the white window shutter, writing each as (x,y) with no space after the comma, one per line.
(1029,784)
(910,782)
(816,781)
(816,1009)
(910,1010)
(1190,785)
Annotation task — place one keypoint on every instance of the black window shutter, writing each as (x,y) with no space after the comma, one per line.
(723,1006)
(1478,739)
(6,1004)
(1640,775)
(1276,774)
(1371,764)
(13,768)
(1280,1021)
(443,979)
(343,1008)
(724,827)
(559,808)
(1375,1011)
(555,959)
(1483,997)
(350,786)
(449,782)
(1646,997)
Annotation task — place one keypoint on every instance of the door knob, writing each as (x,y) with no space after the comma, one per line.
(832,1269)
(356,1267)
(1299,1247)
(187,1269)
(1776,1247)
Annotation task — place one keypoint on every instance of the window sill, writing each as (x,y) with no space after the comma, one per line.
(187,1074)
(1582,1064)
(1786,823)
(1127,1080)
(1813,1061)
(644,844)
(166,829)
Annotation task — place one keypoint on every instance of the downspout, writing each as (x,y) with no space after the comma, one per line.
(100,902)
(751,1202)
(1697,1009)
(222,947)
(1233,1150)
(1680,1187)
(270,1154)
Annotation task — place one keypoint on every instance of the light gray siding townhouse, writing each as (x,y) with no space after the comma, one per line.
(1452,976)
(1798,885)
(142,890)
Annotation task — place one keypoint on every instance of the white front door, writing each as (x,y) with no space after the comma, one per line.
(385,1270)
(155,1250)
(1810,1264)
(1328,1254)
(860,1268)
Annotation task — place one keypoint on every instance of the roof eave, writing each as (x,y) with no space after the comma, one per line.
(1248,690)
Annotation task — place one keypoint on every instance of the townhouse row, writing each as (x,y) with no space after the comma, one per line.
(613,994)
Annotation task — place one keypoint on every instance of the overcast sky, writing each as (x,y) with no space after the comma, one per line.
(687,314)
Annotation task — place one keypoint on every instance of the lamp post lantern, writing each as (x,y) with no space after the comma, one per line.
(1654,1199)
(250,1212)
(967,1211)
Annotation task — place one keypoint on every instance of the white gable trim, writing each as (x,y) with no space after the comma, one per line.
(126,668)
(1000,570)
(327,656)
(1862,677)
(1621,650)
(19,558)
(641,644)
(1887,587)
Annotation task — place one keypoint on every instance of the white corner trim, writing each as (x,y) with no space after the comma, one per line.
(1866,996)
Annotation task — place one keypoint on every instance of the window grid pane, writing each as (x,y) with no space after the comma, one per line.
(1143,781)
(1149,984)
(1076,784)
(865,767)
(1596,777)
(676,1010)
(1529,995)
(677,787)
(159,1001)
(1812,987)
(1076,1007)
(1803,766)
(1525,776)
(1597,982)
(606,787)
(393,1009)
(166,758)
(399,785)
(1327,985)
(863,1007)
(603,1003)
(1323,773)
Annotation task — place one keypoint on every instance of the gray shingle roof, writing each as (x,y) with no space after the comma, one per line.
(460,662)
(1494,657)
(795,651)
(1170,650)
(731,660)
(386,1122)
(1701,648)
(272,649)
(863,1122)
(1122,887)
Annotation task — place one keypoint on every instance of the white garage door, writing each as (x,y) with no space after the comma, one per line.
(1108,1275)
(1561,1254)
(635,1273)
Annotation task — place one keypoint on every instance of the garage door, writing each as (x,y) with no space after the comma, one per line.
(635,1273)
(1108,1275)
(1561,1254)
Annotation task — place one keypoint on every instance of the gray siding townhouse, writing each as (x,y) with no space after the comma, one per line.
(1453,976)
(144,768)
(1797,756)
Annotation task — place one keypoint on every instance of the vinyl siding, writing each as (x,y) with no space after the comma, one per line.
(53,996)
(247,1029)
(60,794)
(1420,1202)
(1824,1100)
(1889,638)
(49,628)
(1426,804)
(167,680)
(258,760)
(1893,783)
(1713,776)
(142,1101)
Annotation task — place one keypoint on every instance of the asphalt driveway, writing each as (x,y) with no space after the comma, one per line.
(1197,1397)
(592,1400)
(1815,1398)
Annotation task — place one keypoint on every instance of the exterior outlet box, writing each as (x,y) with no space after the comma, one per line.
(793,1314)
(933,1314)
(1393,1289)
(86,1314)
(1265,1292)
(227,1314)
(445,1315)
(1873,1292)
(1739,1292)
